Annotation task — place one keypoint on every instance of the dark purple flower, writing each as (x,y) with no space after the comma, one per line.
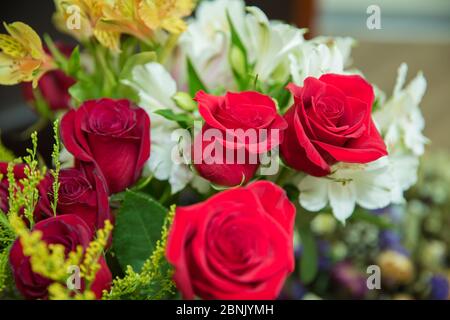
(440,287)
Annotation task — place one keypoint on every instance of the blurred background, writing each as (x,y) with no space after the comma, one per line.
(413,31)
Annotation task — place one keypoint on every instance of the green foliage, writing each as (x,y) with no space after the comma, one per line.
(138,228)
(4,268)
(5,154)
(238,58)
(141,58)
(185,120)
(309,259)
(22,197)
(195,84)
(154,281)
(74,63)
(381,222)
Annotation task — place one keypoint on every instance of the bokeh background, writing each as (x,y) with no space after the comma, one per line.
(413,31)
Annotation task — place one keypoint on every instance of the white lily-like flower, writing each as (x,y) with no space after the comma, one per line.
(400,120)
(369,185)
(207,43)
(319,56)
(403,168)
(207,40)
(156,87)
(269,44)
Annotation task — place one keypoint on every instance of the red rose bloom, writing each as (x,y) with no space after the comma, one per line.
(77,195)
(54,85)
(236,116)
(68,230)
(330,122)
(4,193)
(236,245)
(113,135)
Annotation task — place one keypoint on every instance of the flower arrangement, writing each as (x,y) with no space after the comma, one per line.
(219,156)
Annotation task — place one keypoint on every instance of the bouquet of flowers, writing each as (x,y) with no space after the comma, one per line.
(214,154)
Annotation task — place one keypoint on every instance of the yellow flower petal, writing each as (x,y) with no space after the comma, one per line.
(12,47)
(14,71)
(110,40)
(27,37)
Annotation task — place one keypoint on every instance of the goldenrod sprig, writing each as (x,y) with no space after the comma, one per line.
(155,279)
(57,164)
(94,251)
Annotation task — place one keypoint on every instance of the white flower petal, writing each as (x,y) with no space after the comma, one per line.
(313,193)
(342,199)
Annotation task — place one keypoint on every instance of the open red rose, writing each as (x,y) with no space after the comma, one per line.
(53,86)
(237,244)
(68,230)
(112,134)
(331,122)
(19,173)
(246,124)
(77,195)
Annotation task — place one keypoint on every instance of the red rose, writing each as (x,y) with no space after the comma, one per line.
(68,230)
(113,135)
(236,245)
(77,195)
(247,122)
(54,85)
(330,122)
(4,193)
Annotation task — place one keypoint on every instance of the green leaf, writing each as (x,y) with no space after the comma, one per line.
(235,38)
(183,119)
(41,105)
(60,59)
(194,82)
(238,58)
(138,228)
(309,258)
(137,59)
(379,221)
(74,63)
(5,154)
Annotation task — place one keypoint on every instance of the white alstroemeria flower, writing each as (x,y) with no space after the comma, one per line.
(162,163)
(269,44)
(207,40)
(156,87)
(319,56)
(403,168)
(368,185)
(400,120)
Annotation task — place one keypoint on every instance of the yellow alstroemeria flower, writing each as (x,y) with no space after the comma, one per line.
(79,19)
(22,57)
(166,14)
(141,18)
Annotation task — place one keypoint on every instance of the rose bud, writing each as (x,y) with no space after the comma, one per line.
(244,125)
(53,86)
(76,195)
(331,122)
(68,230)
(237,244)
(19,173)
(113,135)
